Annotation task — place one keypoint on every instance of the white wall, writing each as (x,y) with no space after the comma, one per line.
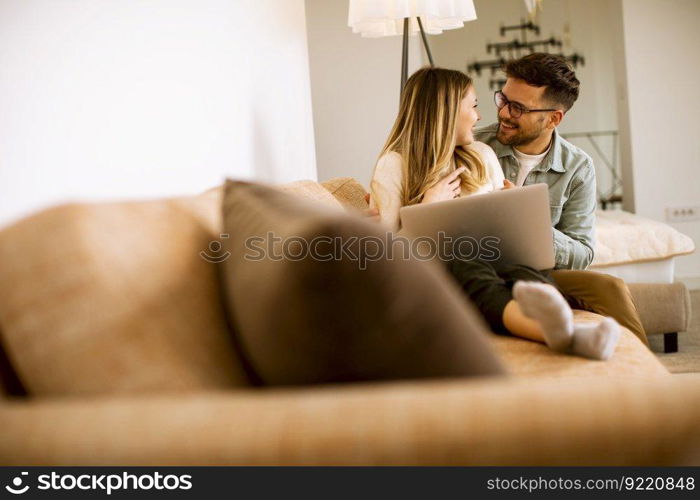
(120,99)
(662,71)
(355,86)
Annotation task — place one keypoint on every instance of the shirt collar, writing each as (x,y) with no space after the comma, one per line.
(551,161)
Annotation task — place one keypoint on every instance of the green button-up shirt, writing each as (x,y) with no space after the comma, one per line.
(570,175)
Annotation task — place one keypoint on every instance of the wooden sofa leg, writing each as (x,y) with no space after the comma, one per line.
(671,342)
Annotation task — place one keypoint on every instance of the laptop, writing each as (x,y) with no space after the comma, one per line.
(510,226)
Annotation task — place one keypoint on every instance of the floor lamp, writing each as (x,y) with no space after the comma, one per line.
(376,18)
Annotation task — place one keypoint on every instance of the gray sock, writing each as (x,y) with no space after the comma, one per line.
(543,303)
(596,341)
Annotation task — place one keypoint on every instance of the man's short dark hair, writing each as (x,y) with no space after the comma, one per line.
(550,71)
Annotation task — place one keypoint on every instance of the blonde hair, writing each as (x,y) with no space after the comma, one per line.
(424,133)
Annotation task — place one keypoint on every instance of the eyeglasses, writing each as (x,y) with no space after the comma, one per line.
(515,109)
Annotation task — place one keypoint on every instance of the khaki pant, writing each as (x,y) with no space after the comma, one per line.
(603,294)
(489,286)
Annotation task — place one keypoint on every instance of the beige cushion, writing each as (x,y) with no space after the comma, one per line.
(347,191)
(307,320)
(623,237)
(208,204)
(311,191)
(114,297)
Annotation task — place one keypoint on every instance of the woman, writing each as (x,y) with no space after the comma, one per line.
(431,156)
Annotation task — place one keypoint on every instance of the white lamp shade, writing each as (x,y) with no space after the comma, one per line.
(375,18)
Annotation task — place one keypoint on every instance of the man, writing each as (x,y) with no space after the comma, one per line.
(539,90)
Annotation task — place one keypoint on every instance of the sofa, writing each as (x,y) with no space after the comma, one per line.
(116,350)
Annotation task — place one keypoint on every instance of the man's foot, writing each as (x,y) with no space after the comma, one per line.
(543,303)
(596,341)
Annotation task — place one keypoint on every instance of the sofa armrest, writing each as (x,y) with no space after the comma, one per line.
(663,307)
(499,421)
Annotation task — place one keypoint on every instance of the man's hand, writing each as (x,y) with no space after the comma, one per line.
(507,184)
(446,188)
(371,213)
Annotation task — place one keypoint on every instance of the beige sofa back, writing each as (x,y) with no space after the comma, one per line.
(114,297)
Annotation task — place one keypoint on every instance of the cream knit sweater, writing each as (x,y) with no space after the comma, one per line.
(386,185)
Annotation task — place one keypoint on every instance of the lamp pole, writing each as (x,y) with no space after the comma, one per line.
(404,56)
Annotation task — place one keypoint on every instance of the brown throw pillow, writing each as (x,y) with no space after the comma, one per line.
(306,319)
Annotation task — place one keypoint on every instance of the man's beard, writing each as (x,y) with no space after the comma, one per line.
(519,137)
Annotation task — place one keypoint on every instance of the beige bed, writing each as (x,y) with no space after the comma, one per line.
(642,252)
(637,249)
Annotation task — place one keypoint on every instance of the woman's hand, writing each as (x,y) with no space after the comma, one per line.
(446,188)
(507,184)
(371,213)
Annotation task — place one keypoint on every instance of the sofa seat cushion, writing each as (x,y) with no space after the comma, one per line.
(314,314)
(531,359)
(115,298)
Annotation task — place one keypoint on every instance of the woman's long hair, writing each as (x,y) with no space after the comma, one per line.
(424,133)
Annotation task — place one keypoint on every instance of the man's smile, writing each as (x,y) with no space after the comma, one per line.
(507,127)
